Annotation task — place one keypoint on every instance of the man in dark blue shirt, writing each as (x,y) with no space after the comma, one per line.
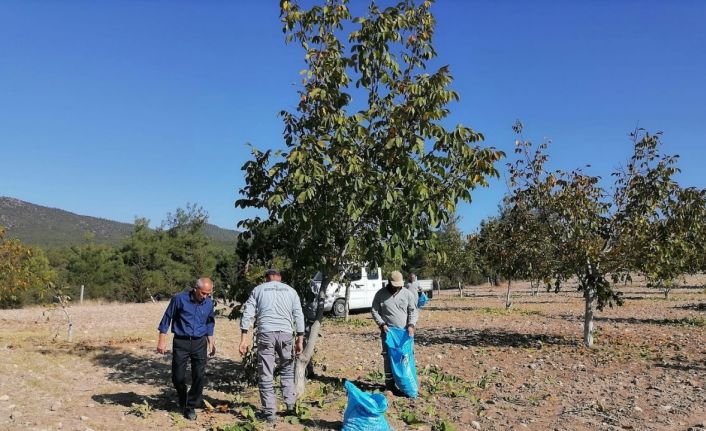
(191,317)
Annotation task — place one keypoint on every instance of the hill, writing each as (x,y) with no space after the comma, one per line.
(52,227)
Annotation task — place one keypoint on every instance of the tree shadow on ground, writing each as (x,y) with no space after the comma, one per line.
(643,298)
(683,367)
(327,380)
(359,311)
(648,293)
(449,308)
(337,382)
(545,301)
(320,424)
(490,338)
(466,296)
(484,309)
(127,367)
(691,287)
(646,321)
(696,307)
(162,401)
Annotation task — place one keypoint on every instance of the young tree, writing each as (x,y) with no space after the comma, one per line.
(591,235)
(378,179)
(453,258)
(515,245)
(575,207)
(498,242)
(663,223)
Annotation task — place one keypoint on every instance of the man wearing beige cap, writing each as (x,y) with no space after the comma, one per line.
(394,306)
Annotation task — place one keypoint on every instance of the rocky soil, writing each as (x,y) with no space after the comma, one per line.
(480,367)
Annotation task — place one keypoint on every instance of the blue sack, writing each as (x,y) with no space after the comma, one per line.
(423,299)
(400,348)
(365,411)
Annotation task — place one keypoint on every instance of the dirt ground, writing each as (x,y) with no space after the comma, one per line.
(480,367)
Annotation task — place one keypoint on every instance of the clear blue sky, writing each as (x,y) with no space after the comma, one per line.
(133,108)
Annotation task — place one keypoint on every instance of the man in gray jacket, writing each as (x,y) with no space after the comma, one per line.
(394,306)
(278,313)
(413,285)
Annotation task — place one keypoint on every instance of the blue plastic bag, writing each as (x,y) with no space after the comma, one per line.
(365,411)
(423,299)
(400,347)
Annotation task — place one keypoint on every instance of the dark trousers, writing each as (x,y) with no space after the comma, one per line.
(389,379)
(182,351)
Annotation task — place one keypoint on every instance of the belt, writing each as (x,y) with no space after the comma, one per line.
(188,337)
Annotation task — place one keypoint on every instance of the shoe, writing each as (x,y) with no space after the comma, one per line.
(395,391)
(190,414)
(266,416)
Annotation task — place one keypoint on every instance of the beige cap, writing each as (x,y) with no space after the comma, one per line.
(396,279)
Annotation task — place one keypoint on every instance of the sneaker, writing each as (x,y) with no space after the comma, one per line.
(266,416)
(395,391)
(190,414)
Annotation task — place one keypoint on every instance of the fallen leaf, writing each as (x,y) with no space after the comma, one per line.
(209,406)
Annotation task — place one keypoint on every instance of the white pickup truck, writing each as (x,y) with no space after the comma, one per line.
(427,286)
(364,283)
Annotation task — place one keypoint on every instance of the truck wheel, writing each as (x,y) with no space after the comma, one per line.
(339,308)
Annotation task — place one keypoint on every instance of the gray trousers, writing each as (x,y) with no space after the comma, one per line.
(271,346)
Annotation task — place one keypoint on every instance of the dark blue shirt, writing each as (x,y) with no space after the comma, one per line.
(188,317)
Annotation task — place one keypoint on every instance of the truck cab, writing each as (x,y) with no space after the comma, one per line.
(364,283)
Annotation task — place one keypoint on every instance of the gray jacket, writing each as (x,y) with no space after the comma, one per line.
(397,310)
(277,308)
(414,287)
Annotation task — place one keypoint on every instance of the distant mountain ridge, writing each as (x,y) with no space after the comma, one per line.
(52,227)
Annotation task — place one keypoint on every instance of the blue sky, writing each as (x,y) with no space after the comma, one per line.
(133,108)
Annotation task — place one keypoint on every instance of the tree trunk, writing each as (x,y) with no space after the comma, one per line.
(150,295)
(508,302)
(438,286)
(590,297)
(305,357)
(69,323)
(460,289)
(348,299)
